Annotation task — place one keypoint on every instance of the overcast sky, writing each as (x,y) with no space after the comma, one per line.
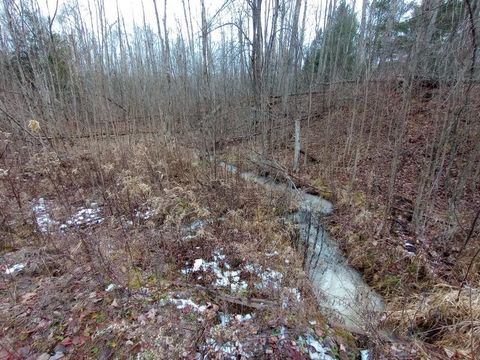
(132,11)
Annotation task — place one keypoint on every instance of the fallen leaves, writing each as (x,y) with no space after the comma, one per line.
(28,297)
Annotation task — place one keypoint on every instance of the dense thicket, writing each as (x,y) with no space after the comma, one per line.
(235,72)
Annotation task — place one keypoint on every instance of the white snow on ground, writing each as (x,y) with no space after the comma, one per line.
(15,268)
(309,343)
(316,351)
(271,254)
(183,303)
(365,354)
(233,349)
(196,225)
(225,319)
(227,278)
(228,349)
(85,216)
(111,287)
(42,217)
(289,295)
(144,215)
(269,277)
(224,277)
(138,217)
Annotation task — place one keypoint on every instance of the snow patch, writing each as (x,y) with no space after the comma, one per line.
(227,278)
(289,295)
(144,215)
(269,278)
(42,217)
(229,349)
(191,230)
(185,303)
(15,268)
(85,217)
(224,277)
(365,354)
(225,319)
(275,253)
(316,350)
(111,287)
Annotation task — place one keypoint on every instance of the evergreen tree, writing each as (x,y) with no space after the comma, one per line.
(332,53)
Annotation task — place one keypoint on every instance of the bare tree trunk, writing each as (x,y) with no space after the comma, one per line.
(362,52)
(293,65)
(257,68)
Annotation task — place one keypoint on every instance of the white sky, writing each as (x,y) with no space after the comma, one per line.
(133,13)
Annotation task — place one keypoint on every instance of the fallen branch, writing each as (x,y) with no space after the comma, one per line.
(286,175)
(311,158)
(259,304)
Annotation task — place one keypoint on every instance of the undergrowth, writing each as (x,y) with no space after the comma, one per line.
(103,286)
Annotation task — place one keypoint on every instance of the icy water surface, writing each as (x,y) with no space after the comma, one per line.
(339,288)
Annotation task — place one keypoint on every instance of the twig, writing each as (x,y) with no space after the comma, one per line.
(470,232)
(115,103)
(474,40)
(467,273)
(255,303)
(17,123)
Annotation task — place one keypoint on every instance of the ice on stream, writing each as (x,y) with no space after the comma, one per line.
(340,289)
(316,203)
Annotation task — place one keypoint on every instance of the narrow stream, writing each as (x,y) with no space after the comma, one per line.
(340,289)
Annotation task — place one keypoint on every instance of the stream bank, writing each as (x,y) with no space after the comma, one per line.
(340,290)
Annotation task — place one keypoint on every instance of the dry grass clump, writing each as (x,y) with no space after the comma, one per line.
(144,258)
(420,306)
(443,316)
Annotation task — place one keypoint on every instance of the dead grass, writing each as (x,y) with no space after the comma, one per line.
(441,316)
(60,298)
(373,240)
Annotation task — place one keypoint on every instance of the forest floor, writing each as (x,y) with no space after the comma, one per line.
(418,274)
(136,253)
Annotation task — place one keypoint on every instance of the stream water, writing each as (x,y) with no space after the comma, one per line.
(340,290)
